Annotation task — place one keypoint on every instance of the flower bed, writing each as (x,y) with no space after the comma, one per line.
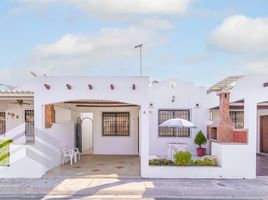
(184,158)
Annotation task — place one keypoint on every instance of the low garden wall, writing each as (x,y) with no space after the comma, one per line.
(233,162)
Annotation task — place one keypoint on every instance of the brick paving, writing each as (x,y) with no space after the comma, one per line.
(99,166)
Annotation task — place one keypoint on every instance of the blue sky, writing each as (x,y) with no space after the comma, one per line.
(194,40)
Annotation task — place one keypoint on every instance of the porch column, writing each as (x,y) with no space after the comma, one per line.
(250,123)
(144,138)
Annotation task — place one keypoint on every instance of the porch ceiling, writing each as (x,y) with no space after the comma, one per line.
(14,98)
(98,103)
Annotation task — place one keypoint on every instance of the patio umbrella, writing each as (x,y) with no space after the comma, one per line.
(177,123)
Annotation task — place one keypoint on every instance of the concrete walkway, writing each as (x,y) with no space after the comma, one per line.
(113,188)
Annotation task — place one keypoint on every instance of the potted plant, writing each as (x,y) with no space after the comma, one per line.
(199,140)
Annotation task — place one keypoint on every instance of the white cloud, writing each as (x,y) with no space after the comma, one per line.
(115,8)
(81,52)
(155,24)
(111,47)
(240,34)
(196,59)
(108,42)
(258,64)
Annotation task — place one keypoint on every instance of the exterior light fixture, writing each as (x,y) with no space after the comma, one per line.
(173,99)
(133,87)
(12,115)
(68,86)
(112,87)
(172,84)
(47,86)
(90,86)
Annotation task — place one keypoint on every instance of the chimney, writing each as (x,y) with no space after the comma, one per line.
(224,125)
(224,111)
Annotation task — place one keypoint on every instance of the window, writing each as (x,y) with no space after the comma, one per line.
(164,115)
(115,124)
(29,125)
(237,118)
(2,123)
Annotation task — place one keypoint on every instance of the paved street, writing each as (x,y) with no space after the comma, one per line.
(113,188)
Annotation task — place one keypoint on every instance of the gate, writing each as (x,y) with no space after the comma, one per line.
(78,134)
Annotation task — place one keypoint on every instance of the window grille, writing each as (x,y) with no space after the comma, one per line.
(237,118)
(115,124)
(164,115)
(2,123)
(29,125)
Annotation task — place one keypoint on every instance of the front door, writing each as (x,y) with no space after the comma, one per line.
(264,133)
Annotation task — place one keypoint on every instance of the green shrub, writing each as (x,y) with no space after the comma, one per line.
(198,163)
(183,158)
(209,161)
(160,162)
(200,139)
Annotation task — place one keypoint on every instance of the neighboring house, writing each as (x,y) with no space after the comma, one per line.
(123,116)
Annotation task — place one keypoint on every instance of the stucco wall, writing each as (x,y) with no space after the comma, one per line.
(186,97)
(114,144)
(62,115)
(250,89)
(12,122)
(15,126)
(122,92)
(232,165)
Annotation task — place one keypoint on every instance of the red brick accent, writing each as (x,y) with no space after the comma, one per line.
(240,136)
(222,129)
(265,84)
(225,124)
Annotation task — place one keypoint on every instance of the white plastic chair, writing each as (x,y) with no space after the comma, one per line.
(76,154)
(67,153)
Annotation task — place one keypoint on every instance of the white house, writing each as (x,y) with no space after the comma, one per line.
(122,116)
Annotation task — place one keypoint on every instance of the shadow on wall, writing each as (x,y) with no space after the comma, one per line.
(34,158)
(45,150)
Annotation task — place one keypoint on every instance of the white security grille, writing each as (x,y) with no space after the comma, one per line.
(29,125)
(2,123)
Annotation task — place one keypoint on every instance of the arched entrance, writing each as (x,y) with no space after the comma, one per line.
(84,134)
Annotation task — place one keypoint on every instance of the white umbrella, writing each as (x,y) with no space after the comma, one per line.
(177,123)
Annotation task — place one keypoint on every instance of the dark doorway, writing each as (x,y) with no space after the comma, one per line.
(264,134)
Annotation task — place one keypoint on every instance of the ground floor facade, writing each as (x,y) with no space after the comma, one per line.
(120,116)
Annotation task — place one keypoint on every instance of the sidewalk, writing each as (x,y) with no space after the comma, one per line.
(112,188)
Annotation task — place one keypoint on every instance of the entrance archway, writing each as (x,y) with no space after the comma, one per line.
(79,134)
